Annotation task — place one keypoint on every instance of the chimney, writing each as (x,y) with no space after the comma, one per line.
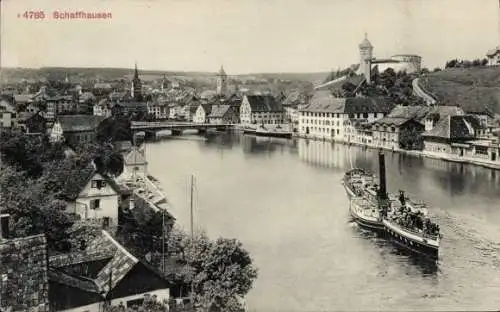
(383,184)
(4,226)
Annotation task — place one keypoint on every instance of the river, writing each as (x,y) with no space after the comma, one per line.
(283,199)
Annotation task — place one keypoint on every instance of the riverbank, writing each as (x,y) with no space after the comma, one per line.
(451,158)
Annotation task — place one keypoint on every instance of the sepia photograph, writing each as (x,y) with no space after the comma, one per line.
(249,155)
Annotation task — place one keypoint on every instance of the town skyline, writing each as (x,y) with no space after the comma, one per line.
(301,39)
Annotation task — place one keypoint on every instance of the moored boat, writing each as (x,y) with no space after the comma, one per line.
(261,130)
(365,214)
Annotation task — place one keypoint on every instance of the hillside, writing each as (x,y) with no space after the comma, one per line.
(474,89)
(9,75)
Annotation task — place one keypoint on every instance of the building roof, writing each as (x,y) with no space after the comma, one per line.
(23,270)
(443,111)
(207,108)
(455,127)
(392,121)
(417,112)
(218,111)
(336,84)
(80,282)
(263,103)
(365,43)
(493,52)
(222,72)
(323,101)
(102,85)
(23,98)
(119,263)
(79,123)
(135,157)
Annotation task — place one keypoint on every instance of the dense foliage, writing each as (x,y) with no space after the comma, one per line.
(455,63)
(396,85)
(220,272)
(33,174)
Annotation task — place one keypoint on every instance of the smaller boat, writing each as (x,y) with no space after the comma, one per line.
(261,130)
(359,183)
(365,214)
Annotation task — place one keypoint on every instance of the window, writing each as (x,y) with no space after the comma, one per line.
(136,302)
(365,115)
(95,204)
(98,184)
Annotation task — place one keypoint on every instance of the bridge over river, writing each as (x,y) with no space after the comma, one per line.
(150,128)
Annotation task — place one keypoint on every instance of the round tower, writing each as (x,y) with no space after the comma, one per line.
(365,57)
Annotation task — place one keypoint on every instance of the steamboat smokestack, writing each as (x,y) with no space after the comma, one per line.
(383,184)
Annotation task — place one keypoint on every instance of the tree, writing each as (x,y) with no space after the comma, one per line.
(32,209)
(220,271)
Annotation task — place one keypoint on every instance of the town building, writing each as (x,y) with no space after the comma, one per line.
(32,123)
(450,134)
(223,114)
(24,281)
(75,129)
(103,108)
(92,195)
(8,114)
(102,273)
(328,117)
(202,113)
(261,109)
(135,165)
(493,56)
(157,109)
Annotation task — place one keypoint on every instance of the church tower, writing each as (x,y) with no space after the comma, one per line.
(136,90)
(221,82)
(365,58)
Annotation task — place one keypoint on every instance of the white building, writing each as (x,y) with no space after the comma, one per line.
(327,117)
(135,165)
(103,108)
(261,109)
(202,113)
(159,110)
(91,195)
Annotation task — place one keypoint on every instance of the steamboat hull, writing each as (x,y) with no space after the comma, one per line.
(375,226)
(416,244)
(271,134)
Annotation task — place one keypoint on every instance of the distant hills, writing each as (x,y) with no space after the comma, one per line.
(475,89)
(57,73)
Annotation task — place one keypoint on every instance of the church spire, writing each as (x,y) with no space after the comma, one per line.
(136,72)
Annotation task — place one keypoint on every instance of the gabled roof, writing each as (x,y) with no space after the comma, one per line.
(418,112)
(392,121)
(493,52)
(104,246)
(207,108)
(23,98)
(263,103)
(80,178)
(323,101)
(455,127)
(135,157)
(218,111)
(79,123)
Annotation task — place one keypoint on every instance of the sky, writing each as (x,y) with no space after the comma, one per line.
(246,36)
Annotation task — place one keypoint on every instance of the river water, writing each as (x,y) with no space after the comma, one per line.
(283,199)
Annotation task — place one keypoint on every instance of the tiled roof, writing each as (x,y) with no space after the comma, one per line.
(80,123)
(23,98)
(135,157)
(323,101)
(23,270)
(417,112)
(392,121)
(218,111)
(86,284)
(263,103)
(120,264)
(207,108)
(443,111)
(102,85)
(77,181)
(455,127)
